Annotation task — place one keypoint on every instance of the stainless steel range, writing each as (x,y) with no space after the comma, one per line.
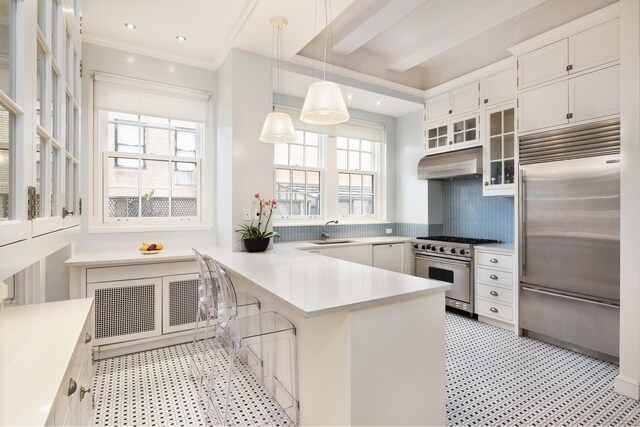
(449,259)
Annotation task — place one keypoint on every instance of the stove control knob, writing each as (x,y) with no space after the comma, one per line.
(453,251)
(462,252)
(433,248)
(416,246)
(441,248)
(423,247)
(428,247)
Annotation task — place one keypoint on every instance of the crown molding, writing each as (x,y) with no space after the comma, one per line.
(142,50)
(365,78)
(227,45)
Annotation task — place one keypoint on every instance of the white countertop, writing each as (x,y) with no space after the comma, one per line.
(36,346)
(311,284)
(497,247)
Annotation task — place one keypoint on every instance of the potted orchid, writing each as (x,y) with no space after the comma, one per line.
(256,237)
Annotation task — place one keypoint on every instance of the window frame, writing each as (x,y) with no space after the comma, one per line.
(374,173)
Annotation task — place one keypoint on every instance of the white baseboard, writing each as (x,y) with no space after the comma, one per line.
(627,387)
(508,326)
(119,349)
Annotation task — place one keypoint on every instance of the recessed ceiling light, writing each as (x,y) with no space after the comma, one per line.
(349,96)
(181,38)
(378,103)
(130,25)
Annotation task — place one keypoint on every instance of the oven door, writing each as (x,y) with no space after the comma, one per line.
(456,272)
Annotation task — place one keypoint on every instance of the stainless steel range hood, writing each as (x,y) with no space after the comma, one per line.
(454,164)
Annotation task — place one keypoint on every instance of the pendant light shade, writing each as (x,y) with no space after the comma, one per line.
(324,104)
(278,128)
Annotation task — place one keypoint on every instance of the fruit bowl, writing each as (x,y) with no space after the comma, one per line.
(153,248)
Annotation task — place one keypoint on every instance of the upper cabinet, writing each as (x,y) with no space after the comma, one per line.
(586,49)
(455,102)
(499,87)
(499,151)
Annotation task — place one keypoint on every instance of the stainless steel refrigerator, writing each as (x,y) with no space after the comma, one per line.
(570,238)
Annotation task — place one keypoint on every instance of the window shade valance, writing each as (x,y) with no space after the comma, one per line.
(115,93)
(353,128)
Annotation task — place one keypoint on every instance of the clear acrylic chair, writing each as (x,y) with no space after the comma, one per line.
(202,348)
(262,346)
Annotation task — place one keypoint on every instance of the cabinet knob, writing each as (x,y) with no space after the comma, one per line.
(493,261)
(450,111)
(493,309)
(494,277)
(87,338)
(569,115)
(486,183)
(486,101)
(73,386)
(493,293)
(569,67)
(84,391)
(450,142)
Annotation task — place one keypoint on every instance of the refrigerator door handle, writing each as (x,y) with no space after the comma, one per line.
(540,291)
(521,225)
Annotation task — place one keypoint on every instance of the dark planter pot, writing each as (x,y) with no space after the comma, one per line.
(256,245)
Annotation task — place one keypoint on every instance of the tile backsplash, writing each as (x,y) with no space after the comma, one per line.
(313,232)
(468,213)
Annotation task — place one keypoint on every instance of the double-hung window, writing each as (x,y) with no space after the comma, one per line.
(357,176)
(149,154)
(298,176)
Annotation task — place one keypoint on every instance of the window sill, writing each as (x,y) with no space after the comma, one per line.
(104,229)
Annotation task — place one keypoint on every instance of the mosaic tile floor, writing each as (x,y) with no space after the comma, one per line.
(496,378)
(493,378)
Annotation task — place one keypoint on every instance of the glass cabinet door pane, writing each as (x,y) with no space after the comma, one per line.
(496,148)
(458,126)
(470,123)
(495,123)
(53,155)
(433,143)
(470,135)
(442,141)
(7,27)
(442,130)
(496,173)
(432,133)
(509,172)
(6,146)
(508,146)
(40,85)
(509,120)
(39,170)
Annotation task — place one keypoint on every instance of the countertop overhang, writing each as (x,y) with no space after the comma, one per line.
(310,284)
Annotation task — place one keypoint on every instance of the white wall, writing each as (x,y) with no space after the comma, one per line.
(114,61)
(417,201)
(628,381)
(57,275)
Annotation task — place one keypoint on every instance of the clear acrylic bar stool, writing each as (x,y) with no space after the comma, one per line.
(262,345)
(202,349)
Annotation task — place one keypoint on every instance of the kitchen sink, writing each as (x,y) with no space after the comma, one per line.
(330,241)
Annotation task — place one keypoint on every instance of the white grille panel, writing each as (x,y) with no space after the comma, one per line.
(183,302)
(125,310)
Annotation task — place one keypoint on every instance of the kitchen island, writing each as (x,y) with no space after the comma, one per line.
(371,342)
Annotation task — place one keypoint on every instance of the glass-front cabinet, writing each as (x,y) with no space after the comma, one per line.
(500,151)
(453,134)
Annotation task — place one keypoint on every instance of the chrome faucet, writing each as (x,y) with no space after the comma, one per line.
(326,235)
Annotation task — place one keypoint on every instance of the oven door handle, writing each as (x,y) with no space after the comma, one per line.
(466,264)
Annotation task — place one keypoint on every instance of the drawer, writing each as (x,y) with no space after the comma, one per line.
(126,272)
(495,310)
(494,276)
(495,260)
(494,293)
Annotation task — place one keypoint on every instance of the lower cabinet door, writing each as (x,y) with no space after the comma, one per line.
(389,257)
(126,310)
(357,254)
(81,404)
(179,302)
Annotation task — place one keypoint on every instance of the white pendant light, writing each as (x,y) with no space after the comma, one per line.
(324,104)
(278,127)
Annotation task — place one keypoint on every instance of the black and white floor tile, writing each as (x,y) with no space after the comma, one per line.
(493,378)
(157,388)
(497,378)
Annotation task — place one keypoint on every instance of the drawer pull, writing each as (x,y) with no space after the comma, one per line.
(84,391)
(493,261)
(73,386)
(494,293)
(493,309)
(87,338)
(494,277)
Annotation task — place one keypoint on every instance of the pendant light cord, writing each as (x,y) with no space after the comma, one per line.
(326,39)
(273,40)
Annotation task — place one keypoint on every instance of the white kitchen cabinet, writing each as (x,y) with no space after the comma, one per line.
(586,97)
(579,52)
(499,87)
(460,100)
(495,288)
(499,151)
(389,256)
(543,64)
(463,132)
(594,95)
(596,46)
(360,254)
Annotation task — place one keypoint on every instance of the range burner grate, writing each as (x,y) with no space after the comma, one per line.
(454,239)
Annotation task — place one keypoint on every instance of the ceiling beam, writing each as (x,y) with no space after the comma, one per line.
(388,14)
(461,25)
